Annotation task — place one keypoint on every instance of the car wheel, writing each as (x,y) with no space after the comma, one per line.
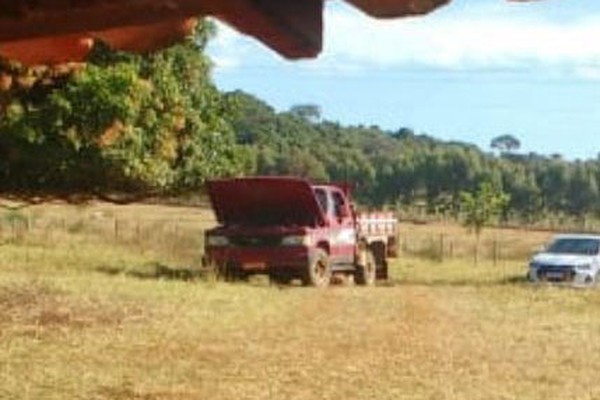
(318,271)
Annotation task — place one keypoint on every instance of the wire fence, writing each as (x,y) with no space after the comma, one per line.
(177,235)
(178,239)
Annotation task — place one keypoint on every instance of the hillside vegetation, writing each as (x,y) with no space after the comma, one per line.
(402,167)
(157,125)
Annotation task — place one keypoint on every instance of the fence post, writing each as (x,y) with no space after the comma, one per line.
(116,228)
(495,252)
(476,250)
(174,240)
(441,247)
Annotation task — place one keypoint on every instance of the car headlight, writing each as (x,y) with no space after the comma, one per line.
(296,240)
(217,241)
(584,267)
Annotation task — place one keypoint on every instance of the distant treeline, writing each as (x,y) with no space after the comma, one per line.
(403,168)
(156,125)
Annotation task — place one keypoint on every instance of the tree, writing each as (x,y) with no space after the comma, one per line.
(124,123)
(505,143)
(402,167)
(308,112)
(481,207)
(525,194)
(583,194)
(403,134)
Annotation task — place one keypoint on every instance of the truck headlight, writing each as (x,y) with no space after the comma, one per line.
(296,240)
(217,241)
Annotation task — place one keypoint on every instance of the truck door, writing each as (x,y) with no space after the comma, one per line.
(343,231)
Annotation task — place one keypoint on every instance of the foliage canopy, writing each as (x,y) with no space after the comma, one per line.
(405,168)
(482,206)
(123,123)
(505,143)
(156,124)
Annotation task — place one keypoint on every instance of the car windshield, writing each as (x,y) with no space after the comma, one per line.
(575,246)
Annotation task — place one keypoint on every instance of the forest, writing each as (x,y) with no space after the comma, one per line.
(156,125)
(405,168)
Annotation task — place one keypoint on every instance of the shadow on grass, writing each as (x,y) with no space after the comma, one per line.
(514,280)
(158,271)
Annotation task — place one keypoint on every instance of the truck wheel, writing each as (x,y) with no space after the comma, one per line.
(379,252)
(280,278)
(366,274)
(318,273)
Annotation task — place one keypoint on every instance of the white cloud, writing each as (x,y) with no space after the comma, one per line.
(229,49)
(588,72)
(457,40)
(469,38)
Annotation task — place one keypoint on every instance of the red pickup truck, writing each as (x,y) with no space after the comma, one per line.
(288,228)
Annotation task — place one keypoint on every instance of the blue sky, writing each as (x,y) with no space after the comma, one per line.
(469,72)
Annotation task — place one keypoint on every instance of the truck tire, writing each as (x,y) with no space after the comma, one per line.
(379,252)
(392,247)
(366,274)
(280,277)
(318,271)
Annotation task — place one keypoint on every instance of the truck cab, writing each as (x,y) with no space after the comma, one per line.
(287,228)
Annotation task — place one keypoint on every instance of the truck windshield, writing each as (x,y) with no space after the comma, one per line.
(575,246)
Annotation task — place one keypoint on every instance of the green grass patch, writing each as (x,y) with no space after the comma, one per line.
(84,316)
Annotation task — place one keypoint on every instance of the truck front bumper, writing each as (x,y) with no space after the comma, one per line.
(258,260)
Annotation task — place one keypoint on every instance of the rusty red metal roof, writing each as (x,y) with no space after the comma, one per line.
(55,31)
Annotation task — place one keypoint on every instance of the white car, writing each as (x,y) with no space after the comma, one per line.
(568,258)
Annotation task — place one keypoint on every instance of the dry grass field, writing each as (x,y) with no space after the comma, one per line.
(106,302)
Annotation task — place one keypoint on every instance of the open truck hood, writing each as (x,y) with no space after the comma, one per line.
(265,201)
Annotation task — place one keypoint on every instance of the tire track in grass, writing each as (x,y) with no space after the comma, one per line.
(382,343)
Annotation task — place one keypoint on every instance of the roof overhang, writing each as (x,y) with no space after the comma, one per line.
(55,31)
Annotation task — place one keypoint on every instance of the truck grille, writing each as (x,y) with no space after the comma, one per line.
(255,241)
